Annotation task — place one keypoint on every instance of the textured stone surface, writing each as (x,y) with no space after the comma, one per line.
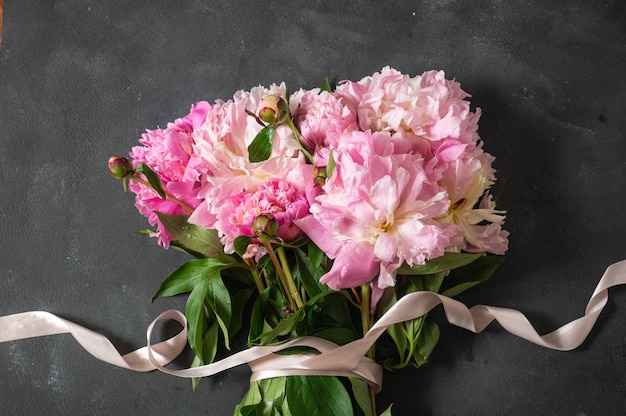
(80,81)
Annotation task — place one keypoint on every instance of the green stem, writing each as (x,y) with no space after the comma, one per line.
(169,195)
(290,282)
(407,359)
(279,272)
(257,280)
(365,308)
(296,133)
(356,295)
(366,319)
(255,275)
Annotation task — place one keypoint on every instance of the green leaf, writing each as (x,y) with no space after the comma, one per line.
(187,276)
(360,391)
(210,343)
(414,284)
(209,351)
(339,336)
(330,168)
(309,274)
(261,147)
(196,362)
(398,335)
(433,282)
(194,311)
(421,282)
(153,179)
(268,307)
(412,330)
(317,256)
(426,342)
(146,231)
(387,412)
(285,410)
(460,288)
(334,305)
(414,339)
(470,275)
(269,271)
(219,302)
(179,247)
(209,290)
(387,300)
(194,237)
(318,396)
(241,244)
(447,261)
(125,182)
(238,303)
(264,398)
(284,327)
(250,401)
(325,86)
(274,391)
(240,274)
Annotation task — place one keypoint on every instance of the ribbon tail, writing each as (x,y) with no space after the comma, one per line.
(39,323)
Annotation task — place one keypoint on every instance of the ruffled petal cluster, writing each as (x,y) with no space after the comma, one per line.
(221,157)
(432,113)
(168,152)
(284,201)
(322,118)
(384,171)
(378,208)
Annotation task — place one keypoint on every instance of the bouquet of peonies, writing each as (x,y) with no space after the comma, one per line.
(315,212)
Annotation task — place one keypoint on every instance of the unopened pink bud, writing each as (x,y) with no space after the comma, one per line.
(319,176)
(120,166)
(273,109)
(266,224)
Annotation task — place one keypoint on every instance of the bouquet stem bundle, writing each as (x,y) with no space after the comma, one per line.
(329,206)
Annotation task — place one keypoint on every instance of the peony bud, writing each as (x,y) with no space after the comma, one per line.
(273,109)
(319,176)
(266,224)
(120,167)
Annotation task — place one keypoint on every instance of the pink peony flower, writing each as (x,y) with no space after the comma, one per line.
(221,155)
(467,181)
(428,110)
(277,197)
(168,152)
(432,113)
(321,119)
(376,212)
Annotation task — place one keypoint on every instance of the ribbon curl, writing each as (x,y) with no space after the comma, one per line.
(39,323)
(347,360)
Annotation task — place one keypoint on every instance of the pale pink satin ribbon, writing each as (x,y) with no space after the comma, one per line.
(39,324)
(347,360)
